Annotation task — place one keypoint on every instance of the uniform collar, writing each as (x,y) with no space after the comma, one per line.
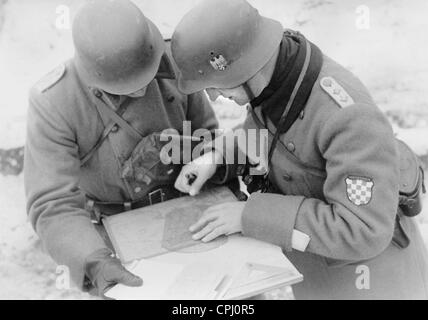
(291,58)
(286,68)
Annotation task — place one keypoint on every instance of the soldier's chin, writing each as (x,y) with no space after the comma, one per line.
(240,101)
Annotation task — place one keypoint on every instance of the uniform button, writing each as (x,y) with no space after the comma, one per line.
(97,93)
(140,177)
(337,91)
(302,115)
(114,128)
(137,190)
(291,147)
(287,177)
(327,83)
(147,180)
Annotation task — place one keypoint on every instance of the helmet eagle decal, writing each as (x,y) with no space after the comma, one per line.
(218,62)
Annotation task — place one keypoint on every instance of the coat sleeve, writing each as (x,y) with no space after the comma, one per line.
(357,143)
(55,204)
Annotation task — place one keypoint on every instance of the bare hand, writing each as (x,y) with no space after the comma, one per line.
(195,174)
(222,219)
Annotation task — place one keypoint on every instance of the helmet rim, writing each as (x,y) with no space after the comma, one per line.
(250,61)
(124,66)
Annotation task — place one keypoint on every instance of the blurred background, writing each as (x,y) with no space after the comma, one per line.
(384,42)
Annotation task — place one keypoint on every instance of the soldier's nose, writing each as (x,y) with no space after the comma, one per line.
(213,94)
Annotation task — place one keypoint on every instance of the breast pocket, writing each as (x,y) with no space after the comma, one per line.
(294,177)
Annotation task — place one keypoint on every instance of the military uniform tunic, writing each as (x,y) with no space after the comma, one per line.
(63,125)
(337,172)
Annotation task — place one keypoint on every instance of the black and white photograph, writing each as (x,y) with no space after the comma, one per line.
(213,151)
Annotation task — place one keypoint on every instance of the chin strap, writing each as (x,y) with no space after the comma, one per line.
(248,91)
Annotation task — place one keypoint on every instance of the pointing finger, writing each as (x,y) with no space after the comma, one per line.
(206,230)
(206,218)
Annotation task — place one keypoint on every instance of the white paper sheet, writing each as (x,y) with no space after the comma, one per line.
(197,281)
(157,277)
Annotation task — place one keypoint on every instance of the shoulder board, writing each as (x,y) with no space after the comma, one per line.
(336,92)
(51,78)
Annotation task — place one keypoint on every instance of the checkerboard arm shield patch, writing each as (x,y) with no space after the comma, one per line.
(359,190)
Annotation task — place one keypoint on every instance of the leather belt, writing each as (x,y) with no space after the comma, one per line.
(101,209)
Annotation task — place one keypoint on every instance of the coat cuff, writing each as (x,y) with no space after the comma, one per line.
(271,218)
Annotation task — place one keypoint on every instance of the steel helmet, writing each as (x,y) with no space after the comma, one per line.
(222,44)
(117,48)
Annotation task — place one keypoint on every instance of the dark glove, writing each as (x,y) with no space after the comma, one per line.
(104,271)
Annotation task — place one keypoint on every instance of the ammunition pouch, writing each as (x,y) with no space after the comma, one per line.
(411,188)
(147,165)
(400,238)
(411,181)
(149,175)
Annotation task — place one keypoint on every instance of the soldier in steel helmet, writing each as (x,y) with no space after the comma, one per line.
(91,130)
(334,193)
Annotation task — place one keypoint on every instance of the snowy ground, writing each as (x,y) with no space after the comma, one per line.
(390,57)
